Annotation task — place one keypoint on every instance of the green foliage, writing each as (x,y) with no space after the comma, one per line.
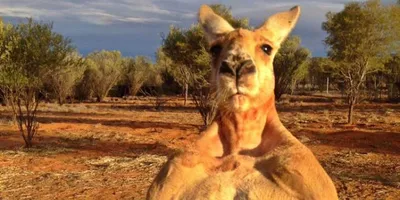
(319,69)
(361,34)
(11,76)
(30,52)
(6,39)
(361,39)
(290,64)
(167,73)
(188,50)
(104,69)
(322,65)
(138,71)
(392,74)
(85,88)
(61,84)
(38,51)
(163,62)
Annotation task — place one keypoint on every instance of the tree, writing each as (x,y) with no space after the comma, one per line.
(290,59)
(321,72)
(32,51)
(104,71)
(85,88)
(392,73)
(360,40)
(7,72)
(188,50)
(167,74)
(137,71)
(300,75)
(62,83)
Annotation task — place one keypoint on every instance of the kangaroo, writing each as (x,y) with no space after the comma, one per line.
(246,152)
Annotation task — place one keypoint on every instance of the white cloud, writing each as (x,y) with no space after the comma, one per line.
(97,17)
(146,20)
(94,12)
(25,12)
(89,20)
(100,17)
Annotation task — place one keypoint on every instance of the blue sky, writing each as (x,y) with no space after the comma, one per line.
(134,26)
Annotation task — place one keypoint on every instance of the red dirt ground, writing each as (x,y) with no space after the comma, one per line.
(113,150)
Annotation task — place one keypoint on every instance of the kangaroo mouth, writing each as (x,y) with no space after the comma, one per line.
(238,97)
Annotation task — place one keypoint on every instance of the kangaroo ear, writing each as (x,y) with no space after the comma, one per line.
(214,26)
(281,24)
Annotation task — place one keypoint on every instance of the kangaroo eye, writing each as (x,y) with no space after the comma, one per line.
(215,50)
(267,49)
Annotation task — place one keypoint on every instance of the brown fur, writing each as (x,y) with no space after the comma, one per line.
(246,153)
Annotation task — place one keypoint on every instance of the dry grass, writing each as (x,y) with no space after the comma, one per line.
(113,150)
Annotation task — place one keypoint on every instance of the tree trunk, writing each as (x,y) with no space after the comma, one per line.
(327,85)
(293,87)
(134,90)
(186,93)
(375,88)
(60,101)
(351,109)
(28,142)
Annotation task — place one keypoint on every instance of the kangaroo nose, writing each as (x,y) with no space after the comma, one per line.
(227,69)
(245,68)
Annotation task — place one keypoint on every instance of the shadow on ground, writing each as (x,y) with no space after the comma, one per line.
(363,141)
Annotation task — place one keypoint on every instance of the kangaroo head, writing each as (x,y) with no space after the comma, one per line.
(242,71)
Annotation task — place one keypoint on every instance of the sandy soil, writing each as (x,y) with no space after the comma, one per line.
(113,150)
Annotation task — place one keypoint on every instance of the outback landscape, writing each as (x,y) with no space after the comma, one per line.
(113,150)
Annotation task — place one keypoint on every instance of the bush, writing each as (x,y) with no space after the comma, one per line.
(104,70)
